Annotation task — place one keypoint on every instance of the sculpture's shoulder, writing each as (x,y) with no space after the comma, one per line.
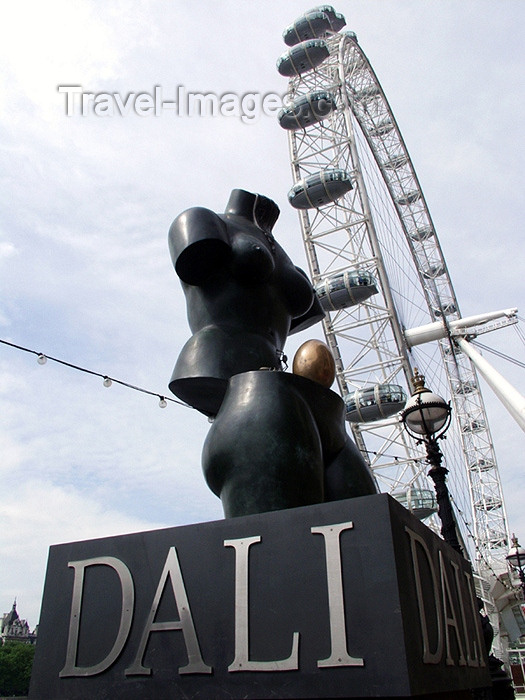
(199,242)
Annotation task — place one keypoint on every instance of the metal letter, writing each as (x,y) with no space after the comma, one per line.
(242,661)
(336,605)
(195,662)
(472,661)
(475,614)
(429,657)
(126,617)
(451,621)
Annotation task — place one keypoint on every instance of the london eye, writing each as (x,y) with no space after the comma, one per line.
(377,265)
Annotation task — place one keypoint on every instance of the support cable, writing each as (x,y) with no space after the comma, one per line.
(499,354)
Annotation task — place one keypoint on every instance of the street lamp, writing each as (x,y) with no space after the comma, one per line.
(516,559)
(426,417)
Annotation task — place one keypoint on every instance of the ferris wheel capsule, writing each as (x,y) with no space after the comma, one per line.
(421,502)
(481,465)
(316,23)
(409,198)
(447,309)
(311,25)
(382,225)
(372,403)
(303,58)
(395,162)
(337,20)
(434,271)
(345,289)
(422,234)
(317,190)
(381,129)
(307,110)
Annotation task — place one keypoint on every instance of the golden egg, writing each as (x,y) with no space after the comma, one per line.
(314,361)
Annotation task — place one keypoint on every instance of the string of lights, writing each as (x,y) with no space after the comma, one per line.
(107,381)
(42,358)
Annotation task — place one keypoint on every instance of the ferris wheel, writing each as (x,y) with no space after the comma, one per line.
(380,274)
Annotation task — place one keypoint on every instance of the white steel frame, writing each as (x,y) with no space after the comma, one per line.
(384,226)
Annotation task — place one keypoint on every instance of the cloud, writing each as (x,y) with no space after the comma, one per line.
(42,514)
(86,203)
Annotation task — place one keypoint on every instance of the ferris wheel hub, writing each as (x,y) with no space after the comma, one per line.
(470,325)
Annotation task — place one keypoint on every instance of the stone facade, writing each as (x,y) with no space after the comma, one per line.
(14,629)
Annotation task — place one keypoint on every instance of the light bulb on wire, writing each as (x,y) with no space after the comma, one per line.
(41,358)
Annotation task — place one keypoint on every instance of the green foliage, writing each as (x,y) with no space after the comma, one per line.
(16,660)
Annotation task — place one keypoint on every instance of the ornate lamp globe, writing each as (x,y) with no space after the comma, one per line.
(516,555)
(425,414)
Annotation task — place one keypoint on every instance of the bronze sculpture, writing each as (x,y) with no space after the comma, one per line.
(278,440)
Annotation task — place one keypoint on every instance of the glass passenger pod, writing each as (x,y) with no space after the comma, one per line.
(311,25)
(474,426)
(303,58)
(409,198)
(434,271)
(490,503)
(345,289)
(422,234)
(395,162)
(447,309)
(336,19)
(421,502)
(306,110)
(373,403)
(317,190)
(465,387)
(367,94)
(482,465)
(381,129)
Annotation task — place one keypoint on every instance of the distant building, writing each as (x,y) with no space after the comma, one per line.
(13,629)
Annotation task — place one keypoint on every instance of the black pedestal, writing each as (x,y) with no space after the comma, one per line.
(354,598)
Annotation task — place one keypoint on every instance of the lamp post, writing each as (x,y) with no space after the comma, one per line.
(426,417)
(516,559)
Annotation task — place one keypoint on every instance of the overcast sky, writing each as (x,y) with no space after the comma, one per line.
(86,203)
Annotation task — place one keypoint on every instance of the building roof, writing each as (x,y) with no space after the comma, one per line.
(10,617)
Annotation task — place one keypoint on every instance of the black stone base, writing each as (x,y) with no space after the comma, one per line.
(354,598)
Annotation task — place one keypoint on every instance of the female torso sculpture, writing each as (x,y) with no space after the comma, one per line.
(277,440)
(244,296)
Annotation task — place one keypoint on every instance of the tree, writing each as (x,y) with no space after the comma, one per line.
(16,660)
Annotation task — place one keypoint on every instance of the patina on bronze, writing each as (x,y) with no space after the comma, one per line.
(278,440)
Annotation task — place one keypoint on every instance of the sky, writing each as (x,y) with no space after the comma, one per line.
(86,203)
